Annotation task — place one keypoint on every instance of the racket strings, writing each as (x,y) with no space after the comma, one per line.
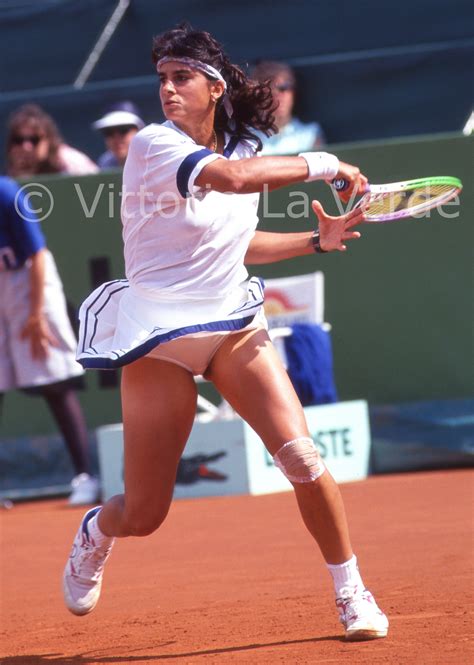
(416,199)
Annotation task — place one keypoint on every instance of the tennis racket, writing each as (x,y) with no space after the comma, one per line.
(398,200)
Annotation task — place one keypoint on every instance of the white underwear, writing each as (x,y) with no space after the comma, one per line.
(194,352)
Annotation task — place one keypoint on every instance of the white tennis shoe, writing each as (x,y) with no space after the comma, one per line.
(82,579)
(361,617)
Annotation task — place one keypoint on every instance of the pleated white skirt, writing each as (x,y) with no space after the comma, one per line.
(120,323)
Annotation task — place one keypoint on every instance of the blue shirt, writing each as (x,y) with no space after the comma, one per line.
(295,137)
(108,161)
(20,233)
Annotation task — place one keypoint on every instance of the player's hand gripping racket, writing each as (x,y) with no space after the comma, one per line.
(409,198)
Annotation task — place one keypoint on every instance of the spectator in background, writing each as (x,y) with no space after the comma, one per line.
(37,344)
(293,135)
(118,126)
(36,147)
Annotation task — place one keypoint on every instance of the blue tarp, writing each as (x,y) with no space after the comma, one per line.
(309,356)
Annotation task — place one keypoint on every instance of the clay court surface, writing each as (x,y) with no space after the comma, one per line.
(238,580)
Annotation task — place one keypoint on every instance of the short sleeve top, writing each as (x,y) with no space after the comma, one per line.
(20,232)
(182,241)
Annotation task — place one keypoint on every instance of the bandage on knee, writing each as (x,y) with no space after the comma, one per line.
(299,460)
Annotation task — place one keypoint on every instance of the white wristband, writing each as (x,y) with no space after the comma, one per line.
(321,165)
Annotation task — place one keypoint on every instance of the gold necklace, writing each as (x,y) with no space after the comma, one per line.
(214,141)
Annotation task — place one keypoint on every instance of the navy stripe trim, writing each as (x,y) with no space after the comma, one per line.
(97,312)
(86,317)
(187,167)
(88,312)
(231,146)
(259,284)
(149,345)
(88,516)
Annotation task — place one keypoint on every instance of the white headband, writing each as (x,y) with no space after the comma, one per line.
(206,69)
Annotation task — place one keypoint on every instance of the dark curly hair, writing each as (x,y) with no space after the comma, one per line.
(33,116)
(251,100)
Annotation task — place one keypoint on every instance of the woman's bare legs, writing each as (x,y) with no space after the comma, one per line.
(159,405)
(250,376)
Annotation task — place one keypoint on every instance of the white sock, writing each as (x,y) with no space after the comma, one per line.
(99,538)
(346,578)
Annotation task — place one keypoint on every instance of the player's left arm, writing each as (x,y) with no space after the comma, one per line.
(267,247)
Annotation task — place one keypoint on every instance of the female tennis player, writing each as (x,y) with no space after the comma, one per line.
(190,195)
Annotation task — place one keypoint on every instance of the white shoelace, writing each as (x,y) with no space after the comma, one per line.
(90,562)
(353,608)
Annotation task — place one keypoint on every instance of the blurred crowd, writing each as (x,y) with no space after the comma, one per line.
(35,146)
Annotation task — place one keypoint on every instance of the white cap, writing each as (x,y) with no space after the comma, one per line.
(118,119)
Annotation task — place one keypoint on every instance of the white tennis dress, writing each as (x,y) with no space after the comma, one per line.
(184,254)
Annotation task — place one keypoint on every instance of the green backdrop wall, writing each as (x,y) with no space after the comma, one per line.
(399,301)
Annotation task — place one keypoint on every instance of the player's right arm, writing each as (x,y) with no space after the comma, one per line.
(254,174)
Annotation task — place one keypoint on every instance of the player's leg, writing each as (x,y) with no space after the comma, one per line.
(159,405)
(264,396)
(248,373)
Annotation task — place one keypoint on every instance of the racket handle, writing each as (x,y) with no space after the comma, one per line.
(340,184)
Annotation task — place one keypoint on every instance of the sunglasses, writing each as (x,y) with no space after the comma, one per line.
(122,130)
(34,139)
(284,87)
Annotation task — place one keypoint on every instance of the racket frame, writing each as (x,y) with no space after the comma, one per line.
(407,185)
